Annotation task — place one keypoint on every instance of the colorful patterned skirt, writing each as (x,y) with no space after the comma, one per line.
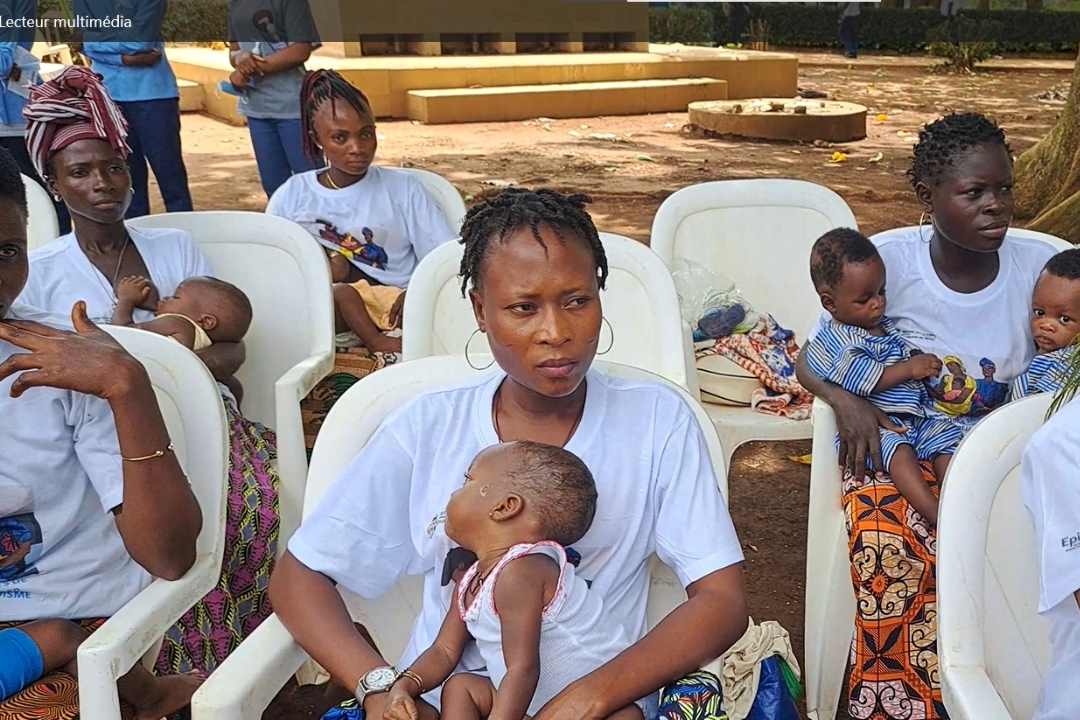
(208,632)
(894,662)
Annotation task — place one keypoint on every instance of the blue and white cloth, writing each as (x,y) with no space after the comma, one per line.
(855,359)
(1045,374)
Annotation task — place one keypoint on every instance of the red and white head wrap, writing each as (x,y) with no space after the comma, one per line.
(72,106)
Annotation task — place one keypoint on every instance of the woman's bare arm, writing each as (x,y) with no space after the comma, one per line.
(857,420)
(159,519)
(676,646)
(311,608)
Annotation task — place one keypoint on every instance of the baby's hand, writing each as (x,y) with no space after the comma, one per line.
(400,705)
(134,290)
(924,365)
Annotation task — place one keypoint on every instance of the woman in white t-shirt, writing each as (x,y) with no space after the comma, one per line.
(534,265)
(375,223)
(1051,489)
(959,287)
(84,165)
(92,500)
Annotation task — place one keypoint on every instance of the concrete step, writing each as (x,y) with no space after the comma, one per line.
(192,96)
(585,99)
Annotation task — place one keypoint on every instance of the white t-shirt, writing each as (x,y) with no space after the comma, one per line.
(989,331)
(61,274)
(387,221)
(61,555)
(657,493)
(1051,489)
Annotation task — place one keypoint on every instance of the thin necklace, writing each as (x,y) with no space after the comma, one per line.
(330,179)
(116,272)
(120,260)
(498,431)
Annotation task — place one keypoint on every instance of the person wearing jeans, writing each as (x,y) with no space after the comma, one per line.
(139,78)
(849,28)
(270,42)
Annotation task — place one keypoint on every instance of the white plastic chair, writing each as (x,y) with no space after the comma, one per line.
(248,680)
(993,647)
(758,234)
(191,405)
(444,193)
(640,304)
(42,224)
(290,347)
(830,599)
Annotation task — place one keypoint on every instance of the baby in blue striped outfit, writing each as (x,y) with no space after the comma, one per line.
(860,350)
(1055,323)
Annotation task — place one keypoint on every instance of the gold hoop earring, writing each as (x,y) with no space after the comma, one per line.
(605,321)
(469,360)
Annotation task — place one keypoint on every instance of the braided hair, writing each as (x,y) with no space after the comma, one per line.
(835,249)
(11,183)
(319,87)
(516,208)
(1065,265)
(944,140)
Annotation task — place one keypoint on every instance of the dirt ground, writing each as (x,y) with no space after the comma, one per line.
(628,170)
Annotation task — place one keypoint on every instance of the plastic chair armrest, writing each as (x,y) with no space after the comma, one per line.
(970,695)
(244,685)
(117,645)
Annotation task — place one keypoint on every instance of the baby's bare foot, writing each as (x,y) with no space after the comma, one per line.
(173,693)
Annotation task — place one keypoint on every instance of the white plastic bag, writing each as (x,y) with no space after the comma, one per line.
(701,290)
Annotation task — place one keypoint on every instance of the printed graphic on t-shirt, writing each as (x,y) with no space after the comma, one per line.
(20,541)
(957,393)
(364,251)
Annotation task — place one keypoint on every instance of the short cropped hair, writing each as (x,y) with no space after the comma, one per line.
(558,486)
(835,249)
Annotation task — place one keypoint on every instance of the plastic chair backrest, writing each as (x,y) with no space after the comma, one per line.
(191,406)
(988,570)
(284,273)
(42,224)
(445,194)
(757,234)
(360,411)
(639,301)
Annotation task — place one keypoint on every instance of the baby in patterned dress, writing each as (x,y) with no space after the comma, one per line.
(1055,323)
(860,350)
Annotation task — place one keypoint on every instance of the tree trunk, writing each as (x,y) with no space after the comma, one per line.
(1034,4)
(1047,188)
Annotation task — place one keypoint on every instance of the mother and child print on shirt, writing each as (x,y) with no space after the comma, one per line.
(930,401)
(20,535)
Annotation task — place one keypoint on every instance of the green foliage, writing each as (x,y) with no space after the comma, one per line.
(196,21)
(896,29)
(681,24)
(964,42)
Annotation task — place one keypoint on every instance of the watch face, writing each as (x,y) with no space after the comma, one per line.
(380,678)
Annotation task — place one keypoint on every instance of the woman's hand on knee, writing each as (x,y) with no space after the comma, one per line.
(858,423)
